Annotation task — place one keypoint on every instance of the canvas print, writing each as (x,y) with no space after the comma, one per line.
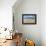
(29,18)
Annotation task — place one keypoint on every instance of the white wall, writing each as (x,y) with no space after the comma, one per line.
(32,32)
(40,28)
(43,22)
(6,13)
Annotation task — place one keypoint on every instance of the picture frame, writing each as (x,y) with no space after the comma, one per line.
(29,19)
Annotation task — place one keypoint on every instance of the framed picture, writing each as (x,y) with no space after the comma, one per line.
(28,18)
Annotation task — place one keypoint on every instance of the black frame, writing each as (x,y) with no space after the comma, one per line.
(29,15)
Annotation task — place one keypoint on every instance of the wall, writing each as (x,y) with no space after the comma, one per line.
(43,22)
(6,13)
(32,32)
(6,16)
